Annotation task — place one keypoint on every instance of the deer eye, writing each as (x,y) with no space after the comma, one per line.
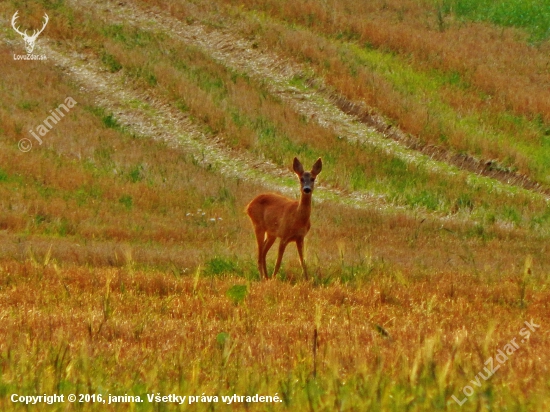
(313,179)
(302,179)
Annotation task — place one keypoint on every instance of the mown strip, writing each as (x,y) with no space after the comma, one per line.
(420,195)
(467,106)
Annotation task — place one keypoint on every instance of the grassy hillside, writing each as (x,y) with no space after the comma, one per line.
(128,265)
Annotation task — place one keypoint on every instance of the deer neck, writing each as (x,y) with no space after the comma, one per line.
(304,207)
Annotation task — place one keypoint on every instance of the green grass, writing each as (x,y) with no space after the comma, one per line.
(111,62)
(531,15)
(219,265)
(126,201)
(3,176)
(131,37)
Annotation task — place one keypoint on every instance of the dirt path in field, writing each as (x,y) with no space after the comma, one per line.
(352,121)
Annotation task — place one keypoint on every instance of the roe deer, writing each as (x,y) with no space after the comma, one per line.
(276,216)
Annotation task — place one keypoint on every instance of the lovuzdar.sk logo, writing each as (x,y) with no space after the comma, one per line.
(30,40)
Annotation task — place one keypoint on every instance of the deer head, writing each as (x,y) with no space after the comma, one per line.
(29,40)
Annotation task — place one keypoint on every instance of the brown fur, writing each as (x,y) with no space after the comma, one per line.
(275,216)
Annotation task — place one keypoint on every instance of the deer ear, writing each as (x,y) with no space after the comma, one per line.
(297,166)
(316,169)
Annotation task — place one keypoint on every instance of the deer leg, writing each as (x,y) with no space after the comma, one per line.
(300,247)
(267,245)
(260,236)
(282,246)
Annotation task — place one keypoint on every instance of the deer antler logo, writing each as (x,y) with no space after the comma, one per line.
(29,40)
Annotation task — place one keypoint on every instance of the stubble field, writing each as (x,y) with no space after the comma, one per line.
(128,265)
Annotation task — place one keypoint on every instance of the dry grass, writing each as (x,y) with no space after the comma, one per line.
(122,331)
(497,61)
(477,69)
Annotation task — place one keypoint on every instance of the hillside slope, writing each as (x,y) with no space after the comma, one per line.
(128,265)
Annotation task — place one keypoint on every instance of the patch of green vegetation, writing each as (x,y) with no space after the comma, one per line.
(111,62)
(222,338)
(28,105)
(358,179)
(237,293)
(126,201)
(136,174)
(224,196)
(54,4)
(38,219)
(115,32)
(220,265)
(207,81)
(299,82)
(541,220)
(110,122)
(3,176)
(131,36)
(464,201)
(424,198)
(182,105)
(86,193)
(65,228)
(108,119)
(511,214)
(144,73)
(203,77)
(533,16)
(479,231)
(238,119)
(45,191)
(103,155)
(267,131)
(348,35)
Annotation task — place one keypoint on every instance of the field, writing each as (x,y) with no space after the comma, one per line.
(127,158)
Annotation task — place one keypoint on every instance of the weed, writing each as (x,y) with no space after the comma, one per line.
(136,173)
(126,201)
(3,176)
(237,293)
(110,122)
(111,62)
(222,266)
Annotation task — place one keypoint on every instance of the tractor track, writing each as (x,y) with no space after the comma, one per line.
(351,120)
(143,113)
(157,119)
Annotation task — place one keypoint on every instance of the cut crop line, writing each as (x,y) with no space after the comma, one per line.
(146,115)
(239,54)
